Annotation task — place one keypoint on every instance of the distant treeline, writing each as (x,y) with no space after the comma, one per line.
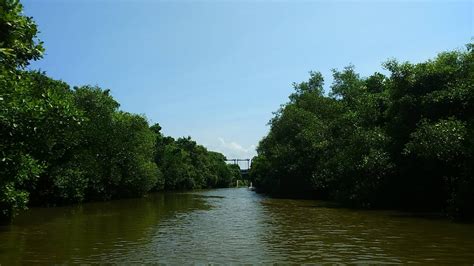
(60,145)
(402,140)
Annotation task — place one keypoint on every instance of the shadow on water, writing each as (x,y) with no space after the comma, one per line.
(390,212)
(63,233)
(309,231)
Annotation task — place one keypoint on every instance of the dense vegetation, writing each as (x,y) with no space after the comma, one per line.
(402,140)
(62,145)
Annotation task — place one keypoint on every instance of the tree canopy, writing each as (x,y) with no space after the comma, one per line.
(61,145)
(401,140)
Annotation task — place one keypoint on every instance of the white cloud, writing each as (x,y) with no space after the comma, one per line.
(233,150)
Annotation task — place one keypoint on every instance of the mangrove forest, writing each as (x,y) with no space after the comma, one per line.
(403,138)
(364,164)
(61,145)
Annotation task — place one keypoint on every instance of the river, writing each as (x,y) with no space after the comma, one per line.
(229,226)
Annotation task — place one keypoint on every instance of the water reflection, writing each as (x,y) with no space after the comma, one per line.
(72,234)
(304,233)
(225,226)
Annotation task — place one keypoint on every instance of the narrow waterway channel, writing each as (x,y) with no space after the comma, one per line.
(229,225)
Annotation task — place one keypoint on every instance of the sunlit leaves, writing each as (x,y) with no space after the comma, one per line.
(18,43)
(443,140)
(401,140)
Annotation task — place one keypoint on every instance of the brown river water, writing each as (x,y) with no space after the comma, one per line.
(229,226)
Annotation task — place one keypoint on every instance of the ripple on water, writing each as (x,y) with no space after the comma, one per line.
(229,226)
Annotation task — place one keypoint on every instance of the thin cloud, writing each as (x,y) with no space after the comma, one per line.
(233,149)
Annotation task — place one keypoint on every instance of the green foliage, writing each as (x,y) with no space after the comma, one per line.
(400,141)
(442,141)
(130,171)
(60,145)
(39,125)
(13,175)
(64,146)
(18,43)
(186,165)
(235,173)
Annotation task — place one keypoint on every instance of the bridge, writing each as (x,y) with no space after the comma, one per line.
(236,161)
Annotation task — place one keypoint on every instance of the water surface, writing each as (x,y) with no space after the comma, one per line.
(225,226)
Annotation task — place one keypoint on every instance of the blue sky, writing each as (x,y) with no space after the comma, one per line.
(216,70)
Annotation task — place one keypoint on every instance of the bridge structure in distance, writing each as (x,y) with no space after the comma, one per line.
(243,171)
